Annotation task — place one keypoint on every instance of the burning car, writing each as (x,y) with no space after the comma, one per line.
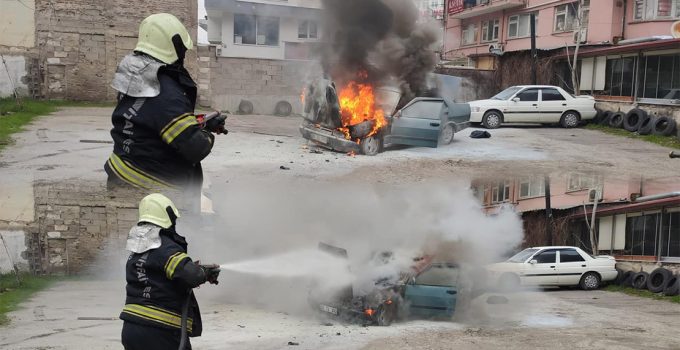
(363,119)
(427,289)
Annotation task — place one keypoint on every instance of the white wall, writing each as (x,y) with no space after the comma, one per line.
(16,65)
(16,244)
(17,23)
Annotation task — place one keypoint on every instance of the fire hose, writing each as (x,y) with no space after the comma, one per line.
(211,274)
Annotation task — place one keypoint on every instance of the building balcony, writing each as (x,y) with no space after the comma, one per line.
(462,9)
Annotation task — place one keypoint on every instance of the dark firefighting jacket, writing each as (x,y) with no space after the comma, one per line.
(159,281)
(158,144)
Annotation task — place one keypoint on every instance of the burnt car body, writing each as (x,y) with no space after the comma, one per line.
(428,289)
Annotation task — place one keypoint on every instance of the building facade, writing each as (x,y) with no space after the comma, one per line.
(636,219)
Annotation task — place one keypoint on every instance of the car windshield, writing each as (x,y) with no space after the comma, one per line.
(523,255)
(507,93)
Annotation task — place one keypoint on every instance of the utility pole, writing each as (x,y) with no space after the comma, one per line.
(548,212)
(534,55)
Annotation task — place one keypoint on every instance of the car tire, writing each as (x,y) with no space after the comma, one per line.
(492,120)
(606,115)
(508,282)
(446,135)
(619,276)
(371,145)
(385,315)
(590,281)
(283,109)
(647,125)
(570,119)
(616,120)
(640,280)
(626,278)
(245,107)
(672,287)
(657,279)
(664,126)
(634,119)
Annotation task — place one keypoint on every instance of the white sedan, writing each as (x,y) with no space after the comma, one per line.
(553,266)
(533,104)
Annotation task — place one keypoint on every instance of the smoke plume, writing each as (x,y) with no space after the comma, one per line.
(382,38)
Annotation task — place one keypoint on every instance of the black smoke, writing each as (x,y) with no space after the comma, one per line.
(382,38)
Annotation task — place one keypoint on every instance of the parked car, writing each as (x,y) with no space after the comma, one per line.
(423,122)
(541,104)
(428,289)
(553,266)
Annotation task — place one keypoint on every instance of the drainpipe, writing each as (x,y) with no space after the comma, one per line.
(656,197)
(623,22)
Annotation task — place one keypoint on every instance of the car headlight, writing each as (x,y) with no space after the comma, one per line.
(476,109)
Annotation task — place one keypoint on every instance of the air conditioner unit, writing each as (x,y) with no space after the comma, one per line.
(594,196)
(581,36)
(483,2)
(496,49)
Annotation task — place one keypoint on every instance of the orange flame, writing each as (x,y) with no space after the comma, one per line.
(357,105)
(369,312)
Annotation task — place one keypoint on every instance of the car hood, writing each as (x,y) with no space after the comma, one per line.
(503,266)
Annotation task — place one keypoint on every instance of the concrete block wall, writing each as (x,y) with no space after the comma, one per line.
(225,81)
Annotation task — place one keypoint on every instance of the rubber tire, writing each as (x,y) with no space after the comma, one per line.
(496,122)
(283,109)
(508,282)
(446,135)
(598,116)
(245,107)
(585,279)
(619,276)
(606,116)
(672,287)
(569,124)
(385,315)
(647,125)
(369,146)
(634,119)
(627,278)
(640,280)
(616,120)
(664,126)
(657,279)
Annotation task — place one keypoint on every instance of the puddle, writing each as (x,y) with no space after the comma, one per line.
(547,321)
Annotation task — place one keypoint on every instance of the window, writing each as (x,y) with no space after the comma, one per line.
(570,255)
(661,77)
(656,9)
(567,16)
(551,95)
(578,182)
(500,192)
(308,30)
(518,25)
(529,188)
(490,30)
(546,257)
(670,235)
(470,34)
(620,76)
(256,30)
(523,255)
(642,234)
(424,110)
(529,95)
(443,275)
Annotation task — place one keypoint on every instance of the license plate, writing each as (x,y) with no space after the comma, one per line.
(319,138)
(329,309)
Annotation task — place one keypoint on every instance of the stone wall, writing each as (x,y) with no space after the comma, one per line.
(225,82)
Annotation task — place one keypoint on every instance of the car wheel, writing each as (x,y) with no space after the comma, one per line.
(590,281)
(492,120)
(640,280)
(371,145)
(508,282)
(384,316)
(446,136)
(570,119)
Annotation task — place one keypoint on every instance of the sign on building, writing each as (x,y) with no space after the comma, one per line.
(455,6)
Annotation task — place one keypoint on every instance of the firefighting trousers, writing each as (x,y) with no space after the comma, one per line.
(140,337)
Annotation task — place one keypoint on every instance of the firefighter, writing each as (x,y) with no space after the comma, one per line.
(160,277)
(158,141)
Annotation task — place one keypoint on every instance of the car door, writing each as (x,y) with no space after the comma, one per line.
(552,105)
(543,270)
(571,265)
(523,107)
(418,123)
(433,293)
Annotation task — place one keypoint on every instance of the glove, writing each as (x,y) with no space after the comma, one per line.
(216,124)
(211,273)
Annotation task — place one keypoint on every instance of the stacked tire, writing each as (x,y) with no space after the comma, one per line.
(637,120)
(661,280)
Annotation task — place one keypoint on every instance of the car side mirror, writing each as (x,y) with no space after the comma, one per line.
(516,99)
(533,262)
(412,281)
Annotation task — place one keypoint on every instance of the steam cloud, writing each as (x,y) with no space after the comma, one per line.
(381,37)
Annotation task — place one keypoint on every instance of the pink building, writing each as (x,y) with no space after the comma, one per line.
(627,54)
(637,219)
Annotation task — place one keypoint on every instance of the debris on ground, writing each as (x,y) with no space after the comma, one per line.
(292,343)
(480,134)
(283,167)
(315,151)
(241,326)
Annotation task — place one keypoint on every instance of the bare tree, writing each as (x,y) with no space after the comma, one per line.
(579,24)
